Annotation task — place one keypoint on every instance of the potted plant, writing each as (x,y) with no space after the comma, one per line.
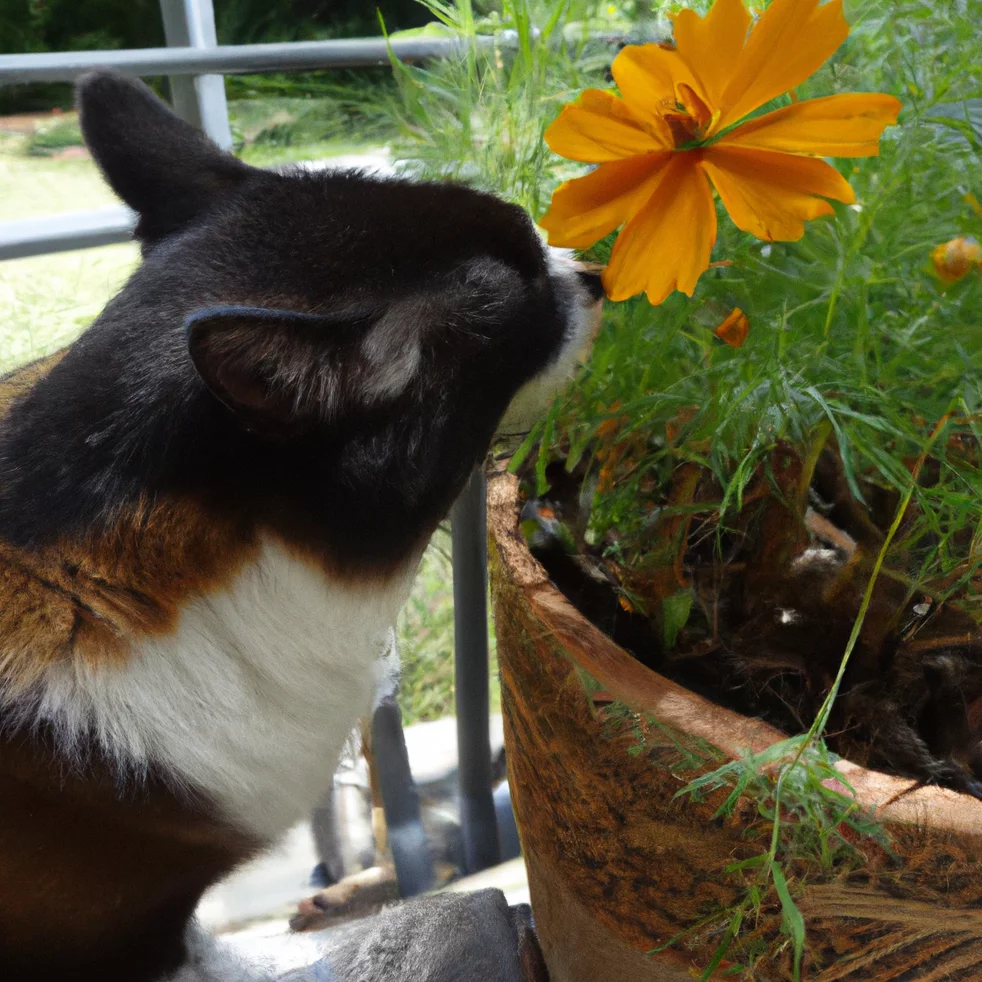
(633,876)
(735,569)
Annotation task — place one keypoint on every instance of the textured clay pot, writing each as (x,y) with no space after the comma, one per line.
(618,865)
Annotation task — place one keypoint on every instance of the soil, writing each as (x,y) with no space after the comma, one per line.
(756,615)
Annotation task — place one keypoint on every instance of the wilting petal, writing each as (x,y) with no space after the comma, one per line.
(771,194)
(586,209)
(599,127)
(955,259)
(791,40)
(734,329)
(647,74)
(666,246)
(834,126)
(711,45)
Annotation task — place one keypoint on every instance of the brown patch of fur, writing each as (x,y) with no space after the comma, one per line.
(97,881)
(17,382)
(90,598)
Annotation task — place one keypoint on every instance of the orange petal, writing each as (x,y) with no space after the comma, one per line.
(599,127)
(586,209)
(735,328)
(791,40)
(835,126)
(647,74)
(666,245)
(771,194)
(711,45)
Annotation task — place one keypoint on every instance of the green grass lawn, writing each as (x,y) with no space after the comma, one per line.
(46,301)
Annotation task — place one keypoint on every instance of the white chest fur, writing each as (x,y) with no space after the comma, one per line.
(252,697)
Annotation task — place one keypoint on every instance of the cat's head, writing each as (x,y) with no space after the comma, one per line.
(322,340)
(339,293)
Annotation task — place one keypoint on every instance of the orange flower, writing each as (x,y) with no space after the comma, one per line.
(955,259)
(672,131)
(734,329)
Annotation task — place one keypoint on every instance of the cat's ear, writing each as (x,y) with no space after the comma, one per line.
(281,371)
(162,167)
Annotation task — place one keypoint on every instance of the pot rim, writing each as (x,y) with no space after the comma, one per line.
(894,800)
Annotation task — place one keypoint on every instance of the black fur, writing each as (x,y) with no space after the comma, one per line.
(281,419)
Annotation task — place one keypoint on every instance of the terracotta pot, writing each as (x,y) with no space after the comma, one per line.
(618,865)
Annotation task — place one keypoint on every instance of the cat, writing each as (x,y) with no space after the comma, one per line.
(212,506)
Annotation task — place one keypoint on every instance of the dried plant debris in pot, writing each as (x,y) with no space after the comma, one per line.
(754,610)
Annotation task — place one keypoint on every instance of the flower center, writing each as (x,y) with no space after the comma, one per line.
(684,128)
(690,119)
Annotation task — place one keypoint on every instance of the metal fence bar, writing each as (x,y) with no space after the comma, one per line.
(66,66)
(479,824)
(61,233)
(400,800)
(199,99)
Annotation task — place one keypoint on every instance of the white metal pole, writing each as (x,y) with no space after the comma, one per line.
(200,99)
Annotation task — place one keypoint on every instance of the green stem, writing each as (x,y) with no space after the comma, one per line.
(840,277)
(467,28)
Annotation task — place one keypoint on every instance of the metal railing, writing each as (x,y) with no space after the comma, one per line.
(62,233)
(295,56)
(195,64)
